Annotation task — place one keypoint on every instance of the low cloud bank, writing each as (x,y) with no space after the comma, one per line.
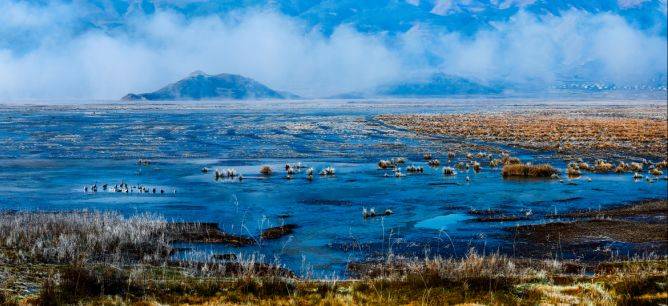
(45,52)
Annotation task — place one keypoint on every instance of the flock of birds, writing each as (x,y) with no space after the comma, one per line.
(125,188)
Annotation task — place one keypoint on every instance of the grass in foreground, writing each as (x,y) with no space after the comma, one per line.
(58,259)
(475,279)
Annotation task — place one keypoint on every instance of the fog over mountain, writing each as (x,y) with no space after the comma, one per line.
(104,49)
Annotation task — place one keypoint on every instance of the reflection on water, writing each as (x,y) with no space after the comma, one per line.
(448,222)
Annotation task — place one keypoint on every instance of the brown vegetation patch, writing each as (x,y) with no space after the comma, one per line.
(278,231)
(645,208)
(203,233)
(566,131)
(592,230)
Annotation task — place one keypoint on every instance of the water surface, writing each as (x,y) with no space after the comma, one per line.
(49,153)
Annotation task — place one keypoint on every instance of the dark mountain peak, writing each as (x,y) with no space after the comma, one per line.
(201,86)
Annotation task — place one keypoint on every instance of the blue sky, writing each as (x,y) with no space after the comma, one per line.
(105,49)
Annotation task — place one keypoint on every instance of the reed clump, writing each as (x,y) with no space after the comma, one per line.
(528,170)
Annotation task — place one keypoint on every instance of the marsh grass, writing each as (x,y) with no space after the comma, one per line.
(61,237)
(527,170)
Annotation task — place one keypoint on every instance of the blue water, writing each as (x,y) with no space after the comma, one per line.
(49,153)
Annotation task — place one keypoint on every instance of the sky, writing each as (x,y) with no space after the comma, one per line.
(105,49)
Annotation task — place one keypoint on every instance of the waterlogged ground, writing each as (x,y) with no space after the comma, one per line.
(49,153)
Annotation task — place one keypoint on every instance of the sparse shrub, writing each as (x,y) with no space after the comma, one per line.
(526,170)
(265,170)
(622,167)
(509,160)
(584,166)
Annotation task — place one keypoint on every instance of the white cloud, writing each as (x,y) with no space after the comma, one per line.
(267,46)
(444,7)
(630,3)
(286,54)
(533,50)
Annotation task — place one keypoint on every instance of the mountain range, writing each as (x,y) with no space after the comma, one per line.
(201,86)
(376,15)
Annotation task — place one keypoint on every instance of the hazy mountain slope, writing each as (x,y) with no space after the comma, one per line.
(201,86)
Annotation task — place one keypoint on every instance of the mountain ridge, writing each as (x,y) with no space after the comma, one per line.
(201,86)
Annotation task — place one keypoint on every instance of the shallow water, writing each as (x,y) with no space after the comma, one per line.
(49,153)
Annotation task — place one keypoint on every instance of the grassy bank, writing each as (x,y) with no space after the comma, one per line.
(104,258)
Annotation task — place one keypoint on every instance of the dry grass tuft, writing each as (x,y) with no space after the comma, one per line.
(265,170)
(602,166)
(572,172)
(656,172)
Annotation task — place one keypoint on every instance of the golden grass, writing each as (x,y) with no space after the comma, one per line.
(526,170)
(566,131)
(473,280)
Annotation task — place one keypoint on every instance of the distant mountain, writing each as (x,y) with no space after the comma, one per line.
(201,86)
(438,84)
